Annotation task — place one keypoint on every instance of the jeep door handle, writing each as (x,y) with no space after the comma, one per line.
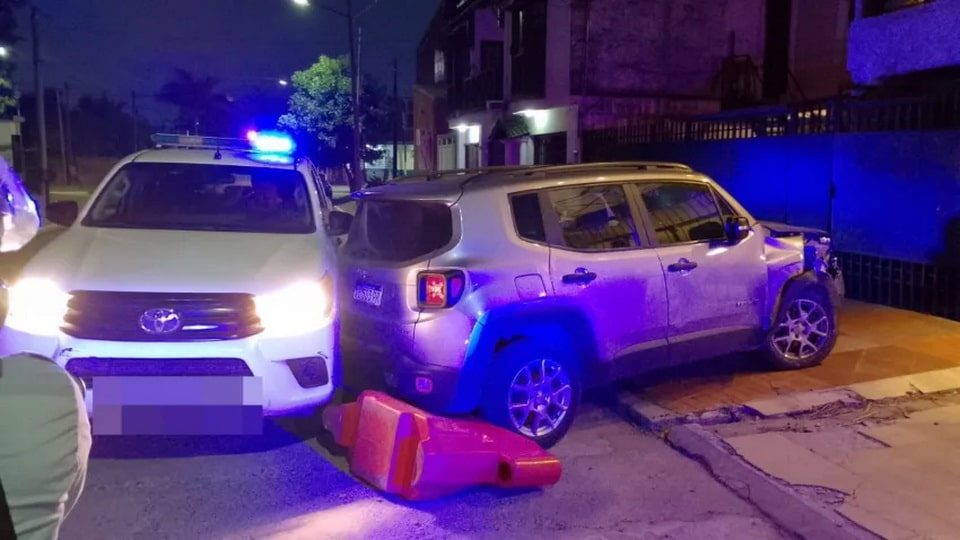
(581,276)
(683,265)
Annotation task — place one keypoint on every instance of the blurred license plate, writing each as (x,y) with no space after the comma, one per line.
(368,294)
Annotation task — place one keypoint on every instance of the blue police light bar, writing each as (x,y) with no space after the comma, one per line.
(271,142)
(265,143)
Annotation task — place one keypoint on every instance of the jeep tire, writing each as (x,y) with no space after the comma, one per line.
(532,390)
(804,331)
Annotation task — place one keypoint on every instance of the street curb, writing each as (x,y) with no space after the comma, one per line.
(652,417)
(787,508)
(655,418)
(645,414)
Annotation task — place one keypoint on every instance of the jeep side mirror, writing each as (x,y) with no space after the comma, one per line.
(339,223)
(63,212)
(737,229)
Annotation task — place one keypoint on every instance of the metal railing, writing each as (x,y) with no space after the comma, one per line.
(922,287)
(875,8)
(476,91)
(838,115)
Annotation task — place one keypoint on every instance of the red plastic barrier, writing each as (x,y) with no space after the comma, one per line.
(405,451)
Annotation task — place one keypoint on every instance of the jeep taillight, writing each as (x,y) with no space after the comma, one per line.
(438,290)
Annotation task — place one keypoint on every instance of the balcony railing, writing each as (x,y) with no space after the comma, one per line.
(874,8)
(474,93)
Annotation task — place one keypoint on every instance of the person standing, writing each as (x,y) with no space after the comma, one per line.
(45,441)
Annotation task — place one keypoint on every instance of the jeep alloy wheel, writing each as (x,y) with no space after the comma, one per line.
(540,397)
(803,331)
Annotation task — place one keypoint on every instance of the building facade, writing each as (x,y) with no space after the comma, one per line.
(896,39)
(429,107)
(522,79)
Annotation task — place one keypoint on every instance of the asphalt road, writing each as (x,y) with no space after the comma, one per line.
(618,483)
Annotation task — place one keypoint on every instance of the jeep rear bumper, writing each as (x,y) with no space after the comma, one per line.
(440,390)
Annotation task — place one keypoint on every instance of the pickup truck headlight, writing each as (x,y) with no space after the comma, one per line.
(298,309)
(36,306)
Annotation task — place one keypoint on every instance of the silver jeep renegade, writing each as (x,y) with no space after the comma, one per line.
(506,292)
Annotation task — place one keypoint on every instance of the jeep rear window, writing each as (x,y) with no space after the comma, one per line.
(396,231)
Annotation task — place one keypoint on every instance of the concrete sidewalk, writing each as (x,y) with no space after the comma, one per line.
(876,343)
(862,445)
(890,467)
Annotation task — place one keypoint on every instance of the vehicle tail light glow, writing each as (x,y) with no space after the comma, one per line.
(438,290)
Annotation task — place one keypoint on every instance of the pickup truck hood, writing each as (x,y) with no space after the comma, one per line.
(85,258)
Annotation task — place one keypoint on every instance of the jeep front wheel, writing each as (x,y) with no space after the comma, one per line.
(532,391)
(805,330)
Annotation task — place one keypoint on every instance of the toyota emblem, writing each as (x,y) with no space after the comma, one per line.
(160,321)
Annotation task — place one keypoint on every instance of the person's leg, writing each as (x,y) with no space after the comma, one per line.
(45,443)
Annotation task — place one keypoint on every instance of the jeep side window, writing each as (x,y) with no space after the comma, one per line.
(682,212)
(594,218)
(527,217)
(726,210)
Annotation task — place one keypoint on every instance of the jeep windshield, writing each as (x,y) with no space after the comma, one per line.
(204,197)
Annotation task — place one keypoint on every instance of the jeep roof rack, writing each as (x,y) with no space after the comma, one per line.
(452,173)
(544,170)
(649,165)
(531,169)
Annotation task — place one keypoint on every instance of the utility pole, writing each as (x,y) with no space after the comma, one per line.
(133,113)
(356,165)
(396,117)
(63,140)
(68,108)
(41,107)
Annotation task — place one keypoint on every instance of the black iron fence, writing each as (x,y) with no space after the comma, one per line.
(922,287)
(931,287)
(838,115)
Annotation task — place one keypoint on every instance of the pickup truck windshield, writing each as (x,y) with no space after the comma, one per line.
(176,196)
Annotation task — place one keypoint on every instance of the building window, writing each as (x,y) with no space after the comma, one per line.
(519,24)
(439,67)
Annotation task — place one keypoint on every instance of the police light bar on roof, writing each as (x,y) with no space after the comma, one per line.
(193,141)
(266,142)
(271,142)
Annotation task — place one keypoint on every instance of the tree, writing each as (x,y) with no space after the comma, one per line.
(9,36)
(320,113)
(199,107)
(102,127)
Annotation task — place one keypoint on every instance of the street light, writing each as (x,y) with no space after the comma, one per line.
(283,82)
(356,164)
(4,52)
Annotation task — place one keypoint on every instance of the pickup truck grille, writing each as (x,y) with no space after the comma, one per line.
(131,316)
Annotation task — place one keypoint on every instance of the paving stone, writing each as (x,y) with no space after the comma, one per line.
(906,351)
(880,525)
(779,457)
(795,403)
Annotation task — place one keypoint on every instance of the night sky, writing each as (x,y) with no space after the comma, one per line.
(124,46)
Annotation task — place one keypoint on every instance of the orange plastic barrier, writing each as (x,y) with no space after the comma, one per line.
(406,451)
